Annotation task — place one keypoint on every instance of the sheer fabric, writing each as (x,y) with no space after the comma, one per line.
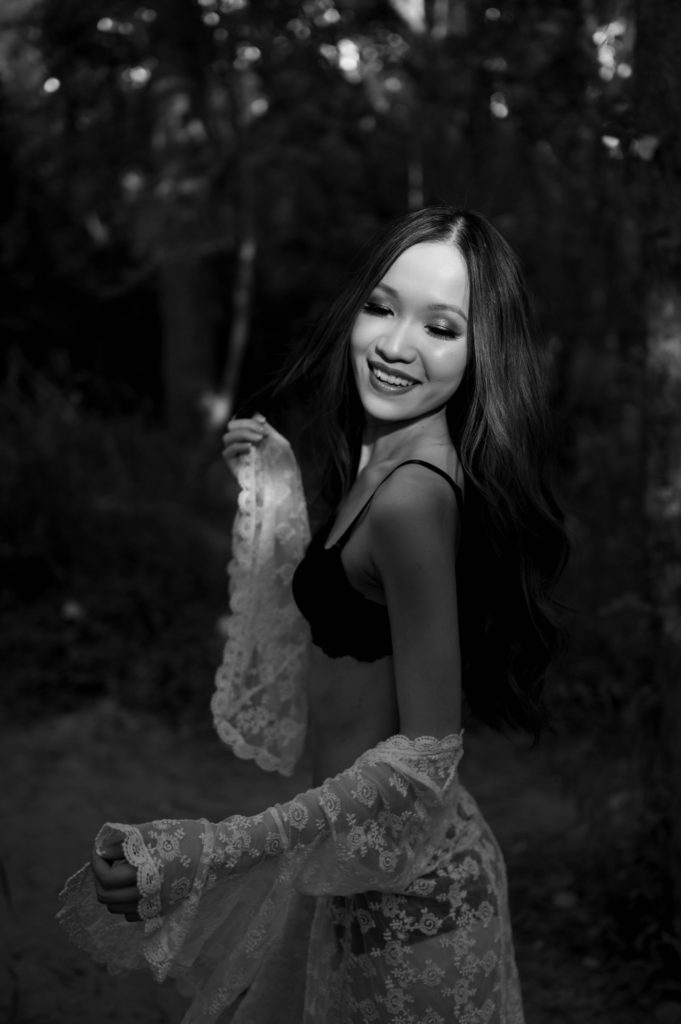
(386,880)
(376,898)
(259,705)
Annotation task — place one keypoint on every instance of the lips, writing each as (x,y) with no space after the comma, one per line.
(386,379)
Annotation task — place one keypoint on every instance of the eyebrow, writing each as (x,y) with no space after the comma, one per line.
(432,306)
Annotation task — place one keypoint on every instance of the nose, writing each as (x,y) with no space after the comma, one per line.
(394,343)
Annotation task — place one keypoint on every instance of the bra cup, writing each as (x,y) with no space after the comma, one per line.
(342,620)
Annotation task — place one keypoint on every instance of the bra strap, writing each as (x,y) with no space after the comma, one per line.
(458,494)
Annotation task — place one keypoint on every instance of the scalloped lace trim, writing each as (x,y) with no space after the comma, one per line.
(138,856)
(410,915)
(259,705)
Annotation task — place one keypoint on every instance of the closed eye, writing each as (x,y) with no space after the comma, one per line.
(377,309)
(441,331)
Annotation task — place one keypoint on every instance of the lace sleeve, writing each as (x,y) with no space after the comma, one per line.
(259,705)
(213,893)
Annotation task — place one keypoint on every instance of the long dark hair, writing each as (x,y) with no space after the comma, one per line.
(513,539)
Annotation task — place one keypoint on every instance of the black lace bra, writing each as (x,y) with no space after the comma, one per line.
(342,620)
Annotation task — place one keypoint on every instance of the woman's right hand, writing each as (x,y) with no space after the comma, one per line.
(241,435)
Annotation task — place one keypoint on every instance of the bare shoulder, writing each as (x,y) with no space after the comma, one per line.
(413,527)
(415,513)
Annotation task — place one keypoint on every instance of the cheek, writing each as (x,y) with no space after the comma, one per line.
(355,354)
(448,363)
(359,339)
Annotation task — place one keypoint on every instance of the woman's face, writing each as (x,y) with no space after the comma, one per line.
(409,342)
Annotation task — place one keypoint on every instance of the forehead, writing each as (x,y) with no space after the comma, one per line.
(437,270)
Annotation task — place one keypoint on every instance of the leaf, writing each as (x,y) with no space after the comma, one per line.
(413,12)
(645,147)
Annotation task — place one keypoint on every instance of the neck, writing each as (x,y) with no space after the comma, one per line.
(390,442)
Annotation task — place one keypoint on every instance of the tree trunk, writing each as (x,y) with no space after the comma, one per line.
(188,318)
(242,299)
(246,246)
(415,189)
(663,553)
(440,19)
(658,77)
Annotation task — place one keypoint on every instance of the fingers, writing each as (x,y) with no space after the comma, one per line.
(257,422)
(128,911)
(116,885)
(231,451)
(123,902)
(114,874)
(111,851)
(242,434)
(115,881)
(251,430)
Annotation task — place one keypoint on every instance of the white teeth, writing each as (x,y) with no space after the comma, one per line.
(388,378)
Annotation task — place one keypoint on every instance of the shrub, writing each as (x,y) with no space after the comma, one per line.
(115,541)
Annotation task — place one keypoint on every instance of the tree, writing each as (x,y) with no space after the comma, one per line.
(658,145)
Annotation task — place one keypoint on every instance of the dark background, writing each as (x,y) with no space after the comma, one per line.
(183,186)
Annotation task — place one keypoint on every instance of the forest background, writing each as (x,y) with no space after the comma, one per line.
(184,185)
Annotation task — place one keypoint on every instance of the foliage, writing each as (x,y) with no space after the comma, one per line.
(138,134)
(113,561)
(134,129)
(135,135)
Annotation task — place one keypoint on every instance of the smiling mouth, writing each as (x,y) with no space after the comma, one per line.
(392,381)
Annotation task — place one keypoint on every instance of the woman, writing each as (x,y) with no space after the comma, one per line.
(380,894)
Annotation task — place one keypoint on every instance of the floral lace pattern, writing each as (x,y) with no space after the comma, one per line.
(259,705)
(390,864)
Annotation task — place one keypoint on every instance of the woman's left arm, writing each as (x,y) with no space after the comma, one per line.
(414,527)
(370,827)
(215,896)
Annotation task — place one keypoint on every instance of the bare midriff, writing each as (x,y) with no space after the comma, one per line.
(352,708)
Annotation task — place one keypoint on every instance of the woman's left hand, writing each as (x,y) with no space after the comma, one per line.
(116,881)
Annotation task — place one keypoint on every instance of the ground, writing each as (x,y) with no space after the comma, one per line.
(65,775)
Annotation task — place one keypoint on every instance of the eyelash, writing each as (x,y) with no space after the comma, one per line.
(445,332)
(376,309)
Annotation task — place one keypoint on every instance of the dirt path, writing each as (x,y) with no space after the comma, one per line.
(65,776)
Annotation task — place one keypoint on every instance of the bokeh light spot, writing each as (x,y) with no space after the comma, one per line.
(498,105)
